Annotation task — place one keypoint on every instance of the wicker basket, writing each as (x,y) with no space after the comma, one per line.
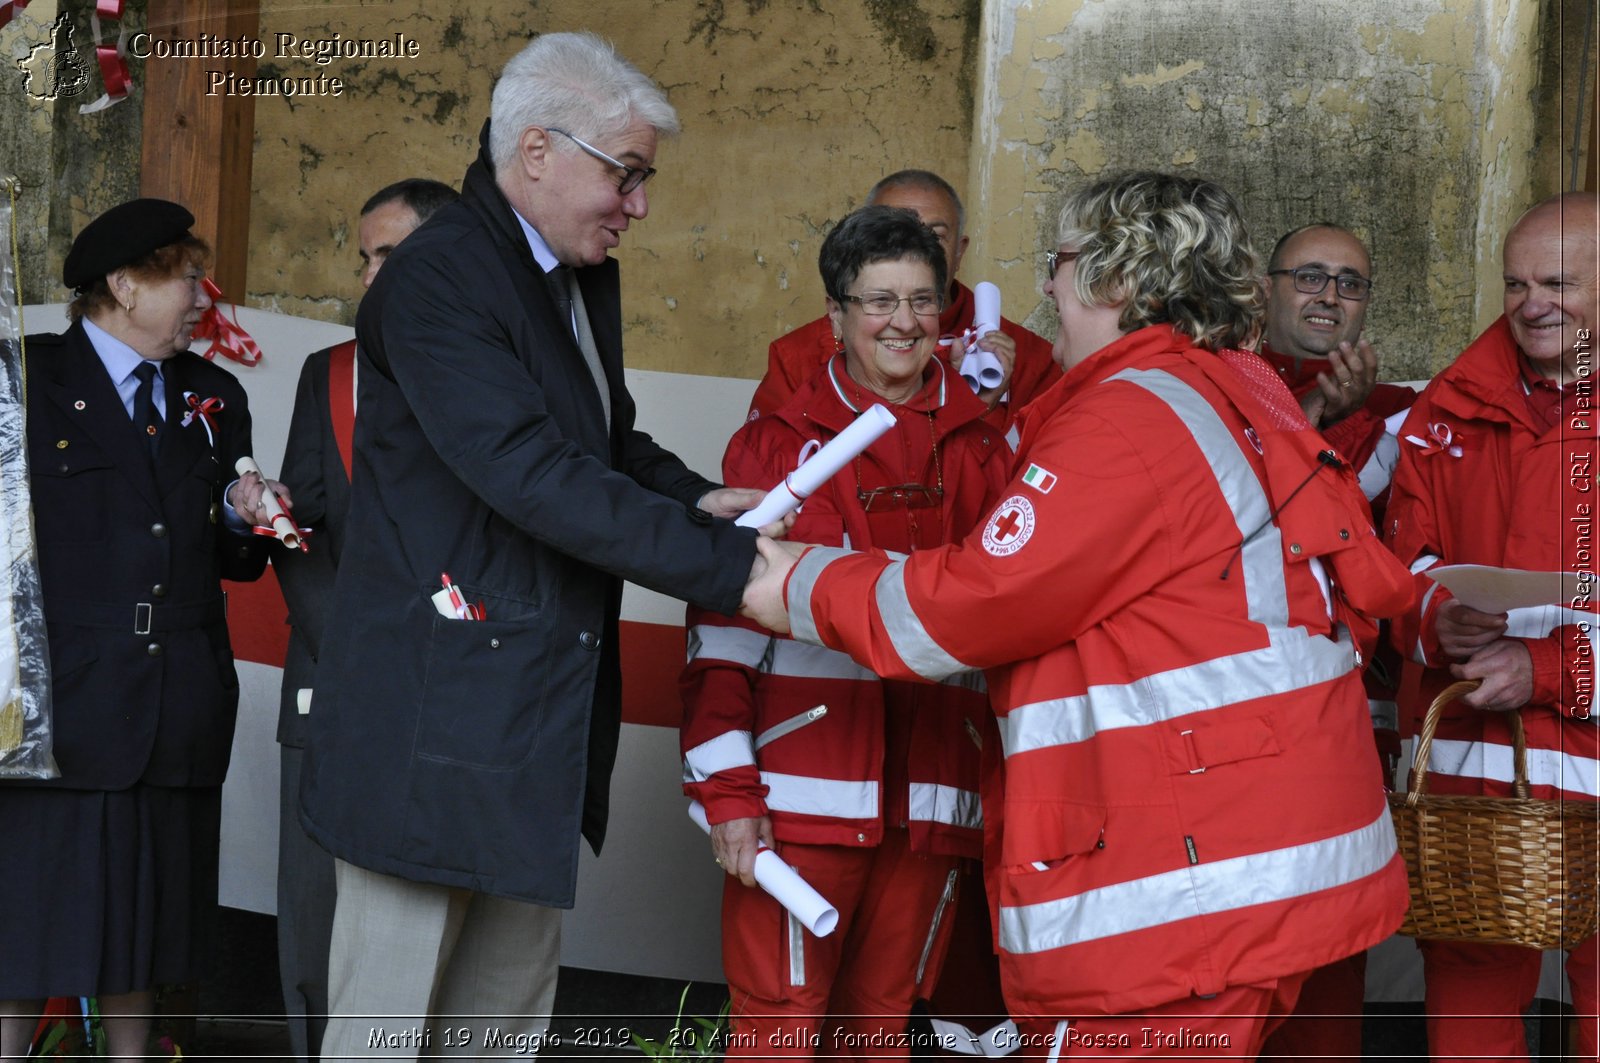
(1510,870)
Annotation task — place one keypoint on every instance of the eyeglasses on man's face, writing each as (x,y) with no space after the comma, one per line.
(1312,282)
(632,176)
(882,304)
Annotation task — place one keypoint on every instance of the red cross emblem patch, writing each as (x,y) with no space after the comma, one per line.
(1010,526)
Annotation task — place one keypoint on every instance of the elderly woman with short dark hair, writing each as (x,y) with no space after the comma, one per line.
(868,787)
(1171,600)
(110,873)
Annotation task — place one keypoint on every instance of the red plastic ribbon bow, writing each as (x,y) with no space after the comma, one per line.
(1440,441)
(226,337)
(206,410)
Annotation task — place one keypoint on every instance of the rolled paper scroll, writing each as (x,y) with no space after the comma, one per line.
(980,368)
(282,527)
(784,884)
(840,451)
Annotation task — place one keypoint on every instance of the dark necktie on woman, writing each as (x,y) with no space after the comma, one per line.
(145,415)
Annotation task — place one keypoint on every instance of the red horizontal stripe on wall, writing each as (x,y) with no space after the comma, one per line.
(258,621)
(652,658)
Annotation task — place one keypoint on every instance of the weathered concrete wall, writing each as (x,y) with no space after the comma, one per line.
(1409,121)
(70,166)
(790,110)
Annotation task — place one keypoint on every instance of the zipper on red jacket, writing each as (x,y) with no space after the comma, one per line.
(791,725)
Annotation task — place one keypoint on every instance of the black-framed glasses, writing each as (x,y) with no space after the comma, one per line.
(1053,260)
(900,496)
(1313,281)
(632,176)
(882,304)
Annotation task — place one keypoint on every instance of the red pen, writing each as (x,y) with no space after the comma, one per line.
(458,603)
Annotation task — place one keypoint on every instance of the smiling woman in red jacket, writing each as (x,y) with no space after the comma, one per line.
(869,787)
(1171,601)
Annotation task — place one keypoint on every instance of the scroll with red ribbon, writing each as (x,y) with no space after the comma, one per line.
(227,337)
(112,58)
(281,527)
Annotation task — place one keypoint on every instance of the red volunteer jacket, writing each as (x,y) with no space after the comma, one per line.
(1187,800)
(793,358)
(1360,436)
(777,727)
(1478,484)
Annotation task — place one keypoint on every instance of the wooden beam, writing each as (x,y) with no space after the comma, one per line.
(197,148)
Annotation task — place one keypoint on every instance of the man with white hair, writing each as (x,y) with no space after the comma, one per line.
(1496,468)
(468,704)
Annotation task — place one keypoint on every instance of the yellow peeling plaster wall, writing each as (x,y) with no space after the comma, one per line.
(791,109)
(1409,121)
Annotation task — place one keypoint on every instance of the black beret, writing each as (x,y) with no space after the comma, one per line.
(121,235)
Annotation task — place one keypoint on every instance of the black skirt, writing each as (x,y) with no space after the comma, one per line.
(104,893)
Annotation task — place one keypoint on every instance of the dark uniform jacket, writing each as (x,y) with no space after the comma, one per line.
(130,557)
(314,470)
(472,753)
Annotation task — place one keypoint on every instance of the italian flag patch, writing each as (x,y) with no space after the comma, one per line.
(1039,479)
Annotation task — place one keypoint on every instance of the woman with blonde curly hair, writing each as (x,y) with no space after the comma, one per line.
(1171,601)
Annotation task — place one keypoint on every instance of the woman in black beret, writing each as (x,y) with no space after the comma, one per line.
(109,877)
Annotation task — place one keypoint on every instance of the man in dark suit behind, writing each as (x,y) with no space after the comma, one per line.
(456,755)
(319,453)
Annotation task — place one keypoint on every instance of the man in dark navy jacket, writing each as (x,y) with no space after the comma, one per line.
(465,730)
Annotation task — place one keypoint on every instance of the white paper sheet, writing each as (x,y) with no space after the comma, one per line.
(1498,590)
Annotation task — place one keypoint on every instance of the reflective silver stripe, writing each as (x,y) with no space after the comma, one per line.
(1423,563)
(1487,760)
(973,681)
(730,749)
(1013,438)
(791,725)
(803,660)
(933,803)
(802,584)
(1058,1041)
(1418,654)
(933,928)
(910,639)
(1377,473)
(1294,661)
(1266,592)
(1198,890)
(737,644)
(797,950)
(838,798)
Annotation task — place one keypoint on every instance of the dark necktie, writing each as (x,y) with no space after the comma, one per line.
(570,299)
(145,416)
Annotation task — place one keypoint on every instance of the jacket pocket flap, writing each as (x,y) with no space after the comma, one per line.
(1040,834)
(1202,741)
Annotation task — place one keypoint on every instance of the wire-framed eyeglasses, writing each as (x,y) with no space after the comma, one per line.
(632,176)
(1313,281)
(882,304)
